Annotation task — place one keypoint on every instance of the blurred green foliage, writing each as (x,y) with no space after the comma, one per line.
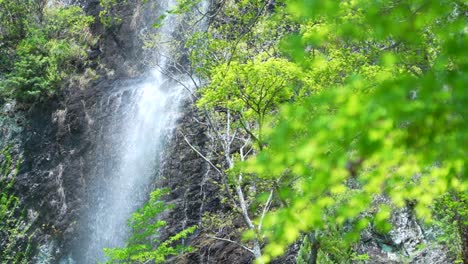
(371,102)
(144,245)
(387,111)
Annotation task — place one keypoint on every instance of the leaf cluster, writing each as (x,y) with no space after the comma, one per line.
(387,111)
(144,244)
(347,100)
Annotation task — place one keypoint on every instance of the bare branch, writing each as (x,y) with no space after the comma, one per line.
(265,210)
(231,241)
(223,176)
(201,155)
(246,129)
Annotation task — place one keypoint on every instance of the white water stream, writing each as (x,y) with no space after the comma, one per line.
(150,121)
(143,117)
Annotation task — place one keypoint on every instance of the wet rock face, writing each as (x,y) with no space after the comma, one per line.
(10,124)
(56,139)
(53,142)
(120,49)
(194,192)
(405,243)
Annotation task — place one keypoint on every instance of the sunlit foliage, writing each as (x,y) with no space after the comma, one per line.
(391,120)
(145,245)
(372,103)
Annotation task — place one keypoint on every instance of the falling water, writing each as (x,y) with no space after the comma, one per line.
(125,184)
(129,150)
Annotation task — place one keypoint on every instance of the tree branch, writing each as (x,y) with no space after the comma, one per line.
(265,210)
(231,241)
(223,176)
(201,155)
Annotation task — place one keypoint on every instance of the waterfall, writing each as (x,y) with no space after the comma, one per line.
(126,178)
(136,120)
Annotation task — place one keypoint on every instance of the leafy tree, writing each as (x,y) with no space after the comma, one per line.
(144,245)
(394,125)
(372,104)
(237,101)
(251,90)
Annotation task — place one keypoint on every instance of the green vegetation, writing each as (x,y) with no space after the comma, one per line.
(451,212)
(107,13)
(15,17)
(394,124)
(144,245)
(14,240)
(315,108)
(308,251)
(41,52)
(319,107)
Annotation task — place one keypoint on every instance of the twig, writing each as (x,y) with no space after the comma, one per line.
(231,241)
(223,176)
(201,155)
(265,210)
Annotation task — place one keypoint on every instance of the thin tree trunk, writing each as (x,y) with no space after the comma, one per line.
(463,229)
(314,247)
(461,223)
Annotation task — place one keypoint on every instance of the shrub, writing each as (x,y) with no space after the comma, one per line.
(48,54)
(144,245)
